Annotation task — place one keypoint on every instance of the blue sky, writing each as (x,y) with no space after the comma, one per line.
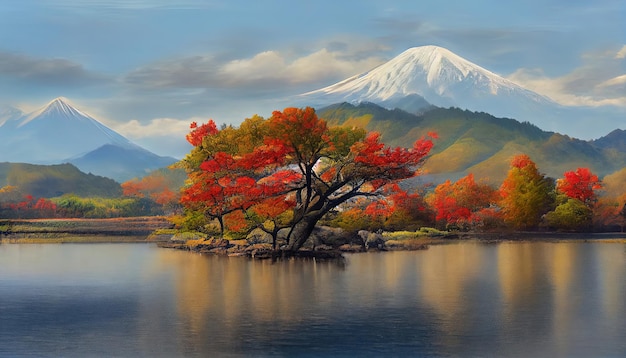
(147,68)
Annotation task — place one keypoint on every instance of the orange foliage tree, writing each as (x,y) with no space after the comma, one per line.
(526,194)
(396,209)
(294,156)
(154,186)
(464,202)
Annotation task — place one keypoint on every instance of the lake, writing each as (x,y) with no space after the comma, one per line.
(512,299)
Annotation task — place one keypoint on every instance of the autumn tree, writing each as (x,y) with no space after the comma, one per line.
(271,215)
(154,186)
(30,207)
(296,156)
(462,203)
(353,218)
(575,201)
(609,213)
(570,214)
(230,171)
(581,185)
(395,209)
(526,194)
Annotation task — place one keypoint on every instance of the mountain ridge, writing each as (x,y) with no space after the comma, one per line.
(60,133)
(120,163)
(478,142)
(55,180)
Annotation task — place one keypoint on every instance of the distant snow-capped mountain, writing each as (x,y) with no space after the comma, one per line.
(60,133)
(442,78)
(435,75)
(54,133)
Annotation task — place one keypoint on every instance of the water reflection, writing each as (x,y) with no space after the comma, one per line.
(469,299)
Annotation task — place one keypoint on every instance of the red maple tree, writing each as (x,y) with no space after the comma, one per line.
(293,155)
(580,184)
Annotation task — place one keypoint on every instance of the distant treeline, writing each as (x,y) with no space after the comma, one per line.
(71,206)
(31,194)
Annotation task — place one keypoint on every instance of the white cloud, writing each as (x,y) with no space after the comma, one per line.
(158,127)
(615,81)
(621,54)
(264,70)
(163,136)
(272,65)
(262,66)
(598,82)
(326,64)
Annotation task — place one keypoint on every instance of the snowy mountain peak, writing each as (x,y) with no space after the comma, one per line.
(59,106)
(55,132)
(59,102)
(440,63)
(439,76)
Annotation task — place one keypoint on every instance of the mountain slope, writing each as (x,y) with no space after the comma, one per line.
(477,142)
(55,180)
(615,140)
(121,163)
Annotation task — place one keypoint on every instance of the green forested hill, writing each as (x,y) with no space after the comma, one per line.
(478,142)
(55,180)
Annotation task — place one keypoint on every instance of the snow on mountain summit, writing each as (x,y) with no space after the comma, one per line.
(61,106)
(439,76)
(55,132)
(58,108)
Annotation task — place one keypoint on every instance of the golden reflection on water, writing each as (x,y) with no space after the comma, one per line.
(520,266)
(233,291)
(445,272)
(528,287)
(611,284)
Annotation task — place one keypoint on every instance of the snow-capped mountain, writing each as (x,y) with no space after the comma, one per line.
(54,133)
(443,79)
(60,133)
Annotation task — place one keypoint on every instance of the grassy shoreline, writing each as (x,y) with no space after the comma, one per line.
(141,229)
(130,229)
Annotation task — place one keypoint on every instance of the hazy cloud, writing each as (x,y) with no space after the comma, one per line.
(259,72)
(599,81)
(621,54)
(191,72)
(616,81)
(163,136)
(45,71)
(156,127)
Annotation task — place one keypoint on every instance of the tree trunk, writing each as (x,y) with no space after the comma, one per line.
(220,219)
(301,232)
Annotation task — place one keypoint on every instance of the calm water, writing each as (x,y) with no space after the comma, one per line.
(504,300)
